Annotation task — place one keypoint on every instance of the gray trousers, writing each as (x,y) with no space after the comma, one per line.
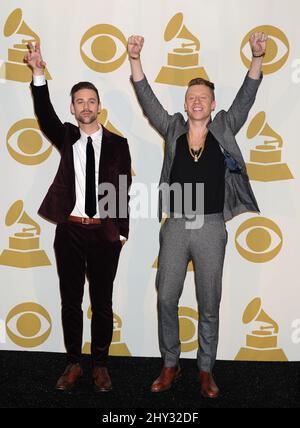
(206,247)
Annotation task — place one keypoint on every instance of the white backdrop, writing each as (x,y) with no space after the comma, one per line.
(260,313)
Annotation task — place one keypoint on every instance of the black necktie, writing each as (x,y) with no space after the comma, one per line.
(90,186)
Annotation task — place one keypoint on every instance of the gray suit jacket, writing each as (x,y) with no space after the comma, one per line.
(239,197)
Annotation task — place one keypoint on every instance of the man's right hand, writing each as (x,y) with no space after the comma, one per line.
(34,59)
(135,46)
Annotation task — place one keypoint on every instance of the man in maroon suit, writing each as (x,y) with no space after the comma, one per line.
(87,242)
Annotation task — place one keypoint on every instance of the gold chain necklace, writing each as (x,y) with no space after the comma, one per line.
(196,155)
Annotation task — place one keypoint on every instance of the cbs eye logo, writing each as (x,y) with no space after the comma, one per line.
(25,143)
(28,325)
(278,49)
(99,47)
(188,326)
(262,237)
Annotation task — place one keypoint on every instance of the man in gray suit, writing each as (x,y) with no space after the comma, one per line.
(199,150)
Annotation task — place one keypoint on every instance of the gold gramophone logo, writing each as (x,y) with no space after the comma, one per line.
(28,325)
(117,348)
(24,247)
(103,119)
(183,61)
(29,146)
(262,343)
(259,240)
(266,159)
(278,49)
(99,48)
(188,328)
(14,68)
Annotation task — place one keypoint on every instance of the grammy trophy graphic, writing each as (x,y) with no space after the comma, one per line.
(262,343)
(266,159)
(183,62)
(14,68)
(24,247)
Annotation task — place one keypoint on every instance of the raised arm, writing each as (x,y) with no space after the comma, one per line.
(152,108)
(258,43)
(49,122)
(239,110)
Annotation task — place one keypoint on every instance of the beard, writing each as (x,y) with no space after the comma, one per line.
(87,120)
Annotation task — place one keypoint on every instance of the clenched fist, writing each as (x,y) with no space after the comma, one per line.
(134,47)
(258,43)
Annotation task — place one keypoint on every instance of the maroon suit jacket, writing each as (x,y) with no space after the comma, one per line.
(114,161)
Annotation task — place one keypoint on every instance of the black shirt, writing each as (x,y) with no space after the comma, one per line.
(209,170)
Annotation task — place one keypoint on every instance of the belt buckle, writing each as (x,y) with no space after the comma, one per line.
(85,220)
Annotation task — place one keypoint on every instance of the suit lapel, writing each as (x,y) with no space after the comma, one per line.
(223,135)
(74,134)
(106,157)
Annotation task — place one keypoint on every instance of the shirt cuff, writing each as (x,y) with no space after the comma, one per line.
(39,80)
(122,238)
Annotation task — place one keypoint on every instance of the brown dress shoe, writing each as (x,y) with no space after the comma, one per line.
(102,380)
(209,388)
(166,379)
(70,376)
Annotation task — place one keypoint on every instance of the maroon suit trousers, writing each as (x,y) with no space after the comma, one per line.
(90,251)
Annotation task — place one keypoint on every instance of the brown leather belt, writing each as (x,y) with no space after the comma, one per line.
(84,220)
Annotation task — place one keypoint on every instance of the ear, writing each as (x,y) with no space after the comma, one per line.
(213,105)
(72,109)
(185,107)
(99,108)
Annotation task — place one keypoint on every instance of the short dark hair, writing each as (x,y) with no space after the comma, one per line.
(200,81)
(84,85)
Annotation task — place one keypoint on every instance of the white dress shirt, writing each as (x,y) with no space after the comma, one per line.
(79,154)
